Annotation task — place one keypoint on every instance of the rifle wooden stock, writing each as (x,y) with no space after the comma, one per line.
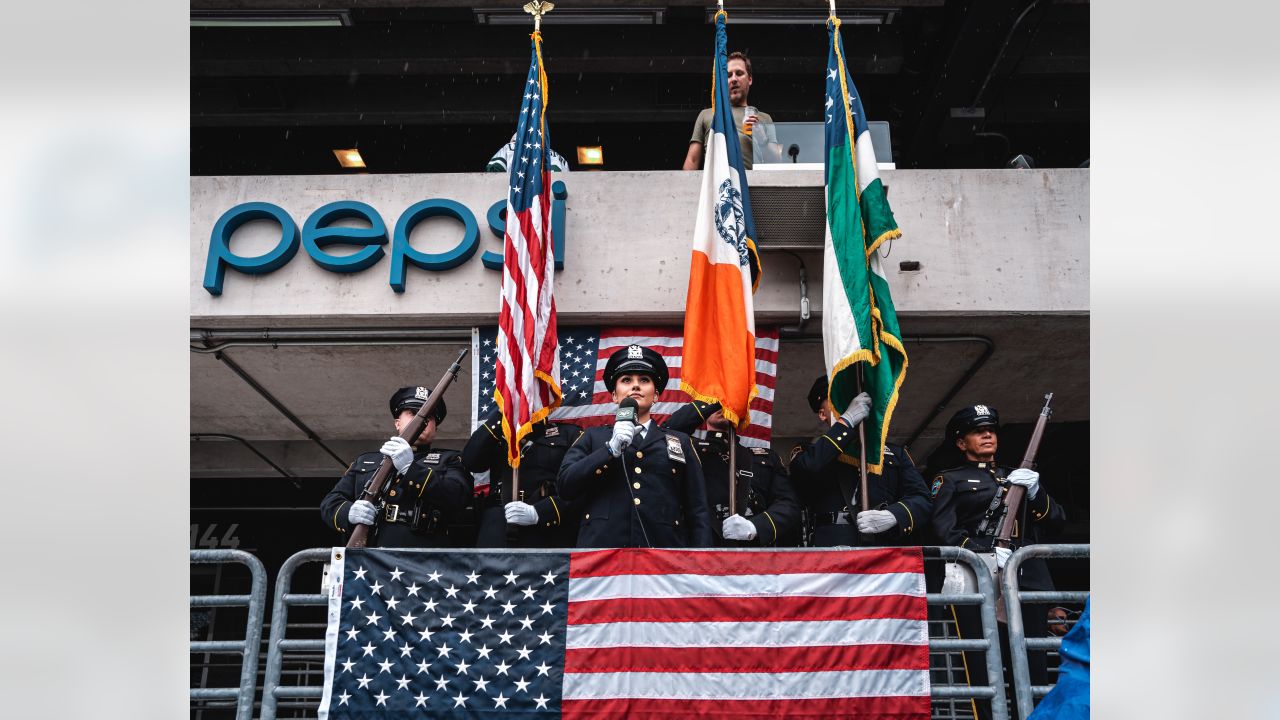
(412,429)
(1013,498)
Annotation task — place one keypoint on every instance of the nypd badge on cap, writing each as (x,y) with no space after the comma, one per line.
(635,352)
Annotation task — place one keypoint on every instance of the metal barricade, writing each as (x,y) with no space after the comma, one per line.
(993,692)
(248,648)
(278,645)
(1019,644)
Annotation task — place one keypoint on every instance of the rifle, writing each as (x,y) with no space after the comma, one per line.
(1013,498)
(412,429)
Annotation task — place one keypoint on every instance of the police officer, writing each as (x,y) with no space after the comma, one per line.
(427,491)
(825,471)
(768,512)
(967,503)
(639,485)
(549,522)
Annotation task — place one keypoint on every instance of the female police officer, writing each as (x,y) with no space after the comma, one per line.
(638,485)
(967,502)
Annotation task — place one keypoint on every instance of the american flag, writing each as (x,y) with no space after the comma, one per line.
(527,376)
(583,354)
(627,633)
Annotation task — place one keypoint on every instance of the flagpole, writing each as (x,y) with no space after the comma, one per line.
(733,471)
(862,449)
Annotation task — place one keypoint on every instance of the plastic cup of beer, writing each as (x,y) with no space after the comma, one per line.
(749,119)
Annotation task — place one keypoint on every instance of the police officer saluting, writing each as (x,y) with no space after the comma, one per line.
(825,472)
(429,488)
(639,485)
(967,503)
(768,511)
(546,520)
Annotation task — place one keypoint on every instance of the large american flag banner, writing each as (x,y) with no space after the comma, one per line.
(627,633)
(527,375)
(583,354)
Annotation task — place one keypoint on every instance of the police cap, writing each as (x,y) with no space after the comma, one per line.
(972,417)
(413,398)
(818,393)
(636,359)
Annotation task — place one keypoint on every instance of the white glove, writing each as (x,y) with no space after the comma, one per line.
(397,448)
(858,410)
(624,431)
(737,527)
(1002,556)
(519,513)
(1029,479)
(362,512)
(875,521)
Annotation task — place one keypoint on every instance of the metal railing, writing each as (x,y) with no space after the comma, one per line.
(278,645)
(989,644)
(1019,644)
(248,648)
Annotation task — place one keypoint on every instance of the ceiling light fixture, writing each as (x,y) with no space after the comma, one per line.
(590,155)
(270,18)
(575,16)
(349,158)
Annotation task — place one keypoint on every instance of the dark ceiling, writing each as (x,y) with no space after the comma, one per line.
(422,86)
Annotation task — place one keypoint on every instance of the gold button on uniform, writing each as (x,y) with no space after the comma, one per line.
(639,454)
(599,471)
(637,501)
(392,493)
(635,485)
(638,471)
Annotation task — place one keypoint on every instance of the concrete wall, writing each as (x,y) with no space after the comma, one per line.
(988,241)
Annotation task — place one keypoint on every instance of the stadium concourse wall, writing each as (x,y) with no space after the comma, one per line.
(986,242)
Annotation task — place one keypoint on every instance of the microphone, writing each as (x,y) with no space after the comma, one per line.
(627,410)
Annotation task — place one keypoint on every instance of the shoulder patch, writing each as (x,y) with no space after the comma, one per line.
(795,451)
(937,485)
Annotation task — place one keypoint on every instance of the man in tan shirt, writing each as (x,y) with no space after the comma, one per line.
(739,70)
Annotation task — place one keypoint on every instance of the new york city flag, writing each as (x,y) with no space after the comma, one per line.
(719,322)
(634,632)
(859,324)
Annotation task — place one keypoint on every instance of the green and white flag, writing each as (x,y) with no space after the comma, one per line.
(859,325)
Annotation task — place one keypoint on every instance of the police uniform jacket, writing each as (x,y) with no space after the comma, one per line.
(818,468)
(765,496)
(962,497)
(654,489)
(417,504)
(541,452)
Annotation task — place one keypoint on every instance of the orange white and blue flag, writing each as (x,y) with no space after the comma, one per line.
(527,387)
(719,321)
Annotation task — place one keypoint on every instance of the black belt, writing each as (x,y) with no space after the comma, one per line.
(403,515)
(832,518)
